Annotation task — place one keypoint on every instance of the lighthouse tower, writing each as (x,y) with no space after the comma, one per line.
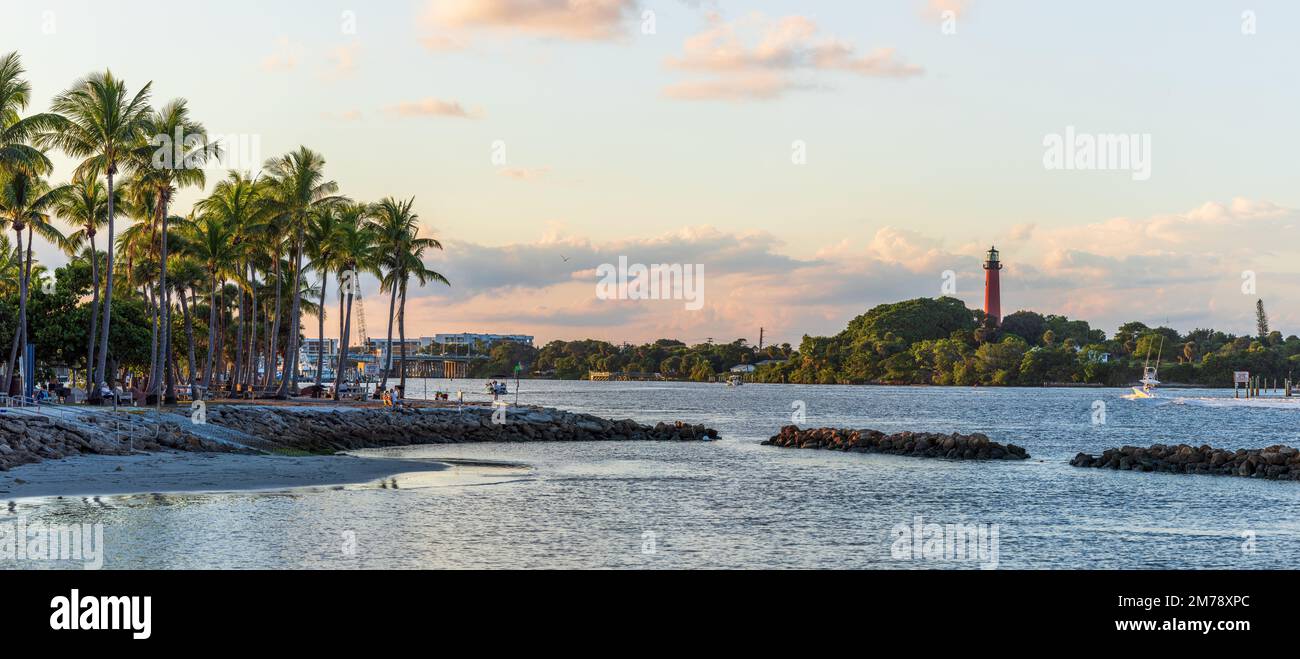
(993,288)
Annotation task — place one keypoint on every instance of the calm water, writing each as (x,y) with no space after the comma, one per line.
(736,504)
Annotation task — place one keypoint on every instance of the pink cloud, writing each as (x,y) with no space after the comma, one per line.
(756,58)
(451,24)
(433,107)
(525,173)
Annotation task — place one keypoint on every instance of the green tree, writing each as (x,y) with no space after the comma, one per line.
(102,123)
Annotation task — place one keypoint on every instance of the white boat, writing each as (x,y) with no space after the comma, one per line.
(1149,384)
(1149,379)
(500,389)
(735,380)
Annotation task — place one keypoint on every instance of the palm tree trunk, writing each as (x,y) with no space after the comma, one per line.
(252,327)
(101,359)
(20,331)
(274,339)
(320,313)
(401,335)
(344,339)
(165,305)
(94,307)
(388,347)
(189,337)
(290,378)
(236,377)
(212,336)
(151,298)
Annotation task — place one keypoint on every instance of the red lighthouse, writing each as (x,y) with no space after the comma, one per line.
(993,288)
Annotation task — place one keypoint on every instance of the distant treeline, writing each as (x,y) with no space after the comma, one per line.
(935,341)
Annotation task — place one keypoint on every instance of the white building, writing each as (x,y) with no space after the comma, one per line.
(488,340)
(311,348)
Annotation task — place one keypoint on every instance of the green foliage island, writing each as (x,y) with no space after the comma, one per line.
(928,341)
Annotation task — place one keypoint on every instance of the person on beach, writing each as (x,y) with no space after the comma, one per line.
(399,395)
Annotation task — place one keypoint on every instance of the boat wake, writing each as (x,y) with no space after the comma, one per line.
(1274,403)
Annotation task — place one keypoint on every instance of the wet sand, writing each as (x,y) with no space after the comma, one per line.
(178,471)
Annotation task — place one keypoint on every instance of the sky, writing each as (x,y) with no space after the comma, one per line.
(813,158)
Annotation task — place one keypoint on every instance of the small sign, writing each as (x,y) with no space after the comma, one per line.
(1241,377)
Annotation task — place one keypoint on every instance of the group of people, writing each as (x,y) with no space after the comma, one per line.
(395,398)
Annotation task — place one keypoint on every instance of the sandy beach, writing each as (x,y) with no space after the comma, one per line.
(179,471)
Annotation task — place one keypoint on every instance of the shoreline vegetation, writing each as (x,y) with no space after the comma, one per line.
(939,341)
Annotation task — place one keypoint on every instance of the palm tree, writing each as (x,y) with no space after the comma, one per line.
(17,134)
(10,267)
(172,159)
(394,224)
(355,244)
(18,156)
(412,265)
(85,207)
(239,202)
(212,243)
(322,238)
(299,190)
(103,122)
(187,274)
(26,201)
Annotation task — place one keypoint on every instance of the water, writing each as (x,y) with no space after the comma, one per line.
(736,504)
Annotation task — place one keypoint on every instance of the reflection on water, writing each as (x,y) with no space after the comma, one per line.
(734,503)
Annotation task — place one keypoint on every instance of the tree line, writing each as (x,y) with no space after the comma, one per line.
(934,342)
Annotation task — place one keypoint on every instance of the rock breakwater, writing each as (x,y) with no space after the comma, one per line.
(956,446)
(29,438)
(330,430)
(66,431)
(1276,462)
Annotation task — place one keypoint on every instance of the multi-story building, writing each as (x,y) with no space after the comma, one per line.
(311,348)
(472,340)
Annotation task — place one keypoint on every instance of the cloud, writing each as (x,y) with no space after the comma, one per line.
(525,173)
(343,60)
(758,58)
(433,107)
(453,24)
(749,87)
(285,58)
(934,9)
(1183,268)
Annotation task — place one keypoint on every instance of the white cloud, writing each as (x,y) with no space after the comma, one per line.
(285,58)
(758,58)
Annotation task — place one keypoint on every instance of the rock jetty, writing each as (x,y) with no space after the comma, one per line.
(28,438)
(918,444)
(331,430)
(31,437)
(1276,462)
